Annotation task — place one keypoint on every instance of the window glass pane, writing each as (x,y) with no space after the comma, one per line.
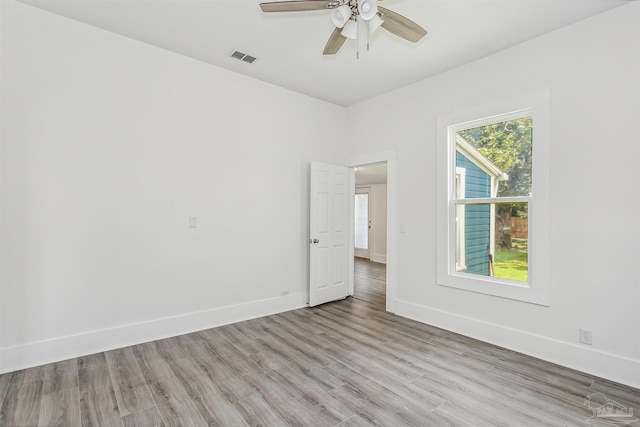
(493,240)
(497,158)
(362,221)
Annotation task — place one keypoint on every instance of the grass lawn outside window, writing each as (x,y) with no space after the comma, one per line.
(512,263)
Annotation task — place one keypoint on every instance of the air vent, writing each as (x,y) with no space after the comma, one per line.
(238,55)
(243,56)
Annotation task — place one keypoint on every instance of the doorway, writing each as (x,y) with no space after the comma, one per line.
(370,282)
(370,248)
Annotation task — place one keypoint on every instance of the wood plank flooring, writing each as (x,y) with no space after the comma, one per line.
(370,282)
(343,364)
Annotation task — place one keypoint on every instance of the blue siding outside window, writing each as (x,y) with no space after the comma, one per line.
(477,217)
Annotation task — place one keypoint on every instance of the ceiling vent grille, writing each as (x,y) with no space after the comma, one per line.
(243,56)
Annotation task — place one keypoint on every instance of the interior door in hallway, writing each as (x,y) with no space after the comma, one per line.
(329,233)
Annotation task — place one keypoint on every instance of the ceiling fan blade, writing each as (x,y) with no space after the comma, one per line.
(298,5)
(335,42)
(401,26)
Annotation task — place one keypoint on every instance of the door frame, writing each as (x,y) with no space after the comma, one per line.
(391,278)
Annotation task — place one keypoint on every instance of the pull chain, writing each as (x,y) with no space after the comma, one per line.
(367,37)
(357,38)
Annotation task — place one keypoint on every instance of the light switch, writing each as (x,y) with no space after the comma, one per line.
(193,222)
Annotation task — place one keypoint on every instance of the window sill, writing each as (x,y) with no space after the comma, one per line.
(508,290)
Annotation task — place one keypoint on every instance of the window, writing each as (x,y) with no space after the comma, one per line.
(362,221)
(493,199)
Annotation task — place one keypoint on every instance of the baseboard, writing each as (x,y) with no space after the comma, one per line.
(379,258)
(613,367)
(67,347)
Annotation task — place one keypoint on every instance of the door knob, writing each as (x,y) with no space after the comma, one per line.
(316,241)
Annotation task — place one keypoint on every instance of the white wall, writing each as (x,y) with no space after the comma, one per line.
(591,69)
(108,146)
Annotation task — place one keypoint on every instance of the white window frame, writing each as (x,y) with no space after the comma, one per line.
(536,289)
(460,244)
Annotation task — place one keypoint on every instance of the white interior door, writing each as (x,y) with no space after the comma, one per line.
(329,233)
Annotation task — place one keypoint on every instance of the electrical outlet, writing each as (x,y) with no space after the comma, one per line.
(586,336)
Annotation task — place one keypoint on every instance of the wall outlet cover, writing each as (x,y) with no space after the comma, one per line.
(586,336)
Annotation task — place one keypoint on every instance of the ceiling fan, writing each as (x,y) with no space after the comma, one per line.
(345,14)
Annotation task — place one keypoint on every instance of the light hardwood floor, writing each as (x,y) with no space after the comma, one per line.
(370,282)
(346,363)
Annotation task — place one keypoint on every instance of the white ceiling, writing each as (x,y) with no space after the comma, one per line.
(289,45)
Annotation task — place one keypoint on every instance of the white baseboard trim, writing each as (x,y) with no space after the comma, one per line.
(382,259)
(67,347)
(613,367)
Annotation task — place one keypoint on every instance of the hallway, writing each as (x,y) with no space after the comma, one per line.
(370,282)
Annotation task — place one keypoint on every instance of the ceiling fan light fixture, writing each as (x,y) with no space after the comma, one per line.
(367,9)
(374,23)
(340,15)
(350,29)
(345,14)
